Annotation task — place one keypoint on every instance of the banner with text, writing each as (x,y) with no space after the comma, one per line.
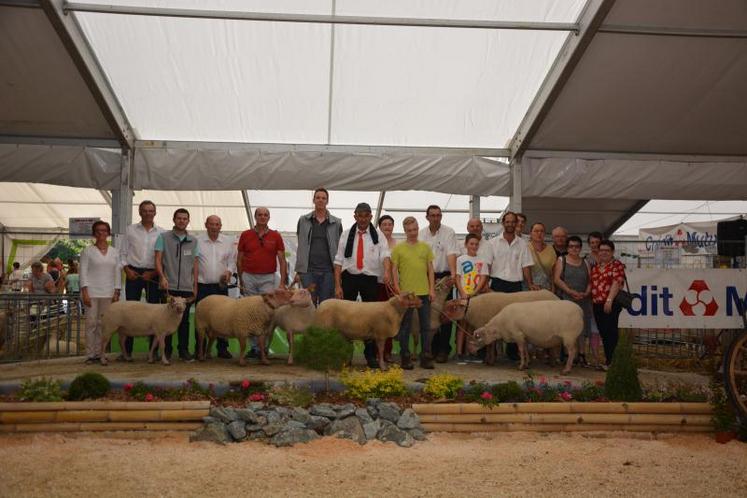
(687,238)
(692,299)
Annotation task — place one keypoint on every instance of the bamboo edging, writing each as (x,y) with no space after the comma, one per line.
(560,407)
(566,417)
(73,416)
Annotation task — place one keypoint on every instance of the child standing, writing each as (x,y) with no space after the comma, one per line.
(472,278)
(413,260)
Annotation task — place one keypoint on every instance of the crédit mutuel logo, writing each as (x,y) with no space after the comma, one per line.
(698,300)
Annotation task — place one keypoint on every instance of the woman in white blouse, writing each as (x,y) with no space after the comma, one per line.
(100,283)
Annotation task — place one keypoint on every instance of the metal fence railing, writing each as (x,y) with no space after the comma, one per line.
(35,326)
(677,255)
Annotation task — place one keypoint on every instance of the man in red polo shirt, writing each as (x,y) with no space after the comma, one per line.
(260,252)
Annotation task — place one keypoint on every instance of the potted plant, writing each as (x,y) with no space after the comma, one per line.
(724,418)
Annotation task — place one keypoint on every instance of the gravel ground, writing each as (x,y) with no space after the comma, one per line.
(513,464)
(218,371)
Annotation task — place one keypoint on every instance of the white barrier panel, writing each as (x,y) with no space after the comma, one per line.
(694,299)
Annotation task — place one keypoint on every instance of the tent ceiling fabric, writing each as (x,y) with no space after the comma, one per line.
(656,94)
(579,216)
(73,166)
(190,169)
(626,179)
(269,82)
(43,93)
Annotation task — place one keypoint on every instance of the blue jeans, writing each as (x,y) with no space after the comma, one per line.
(424,315)
(325,285)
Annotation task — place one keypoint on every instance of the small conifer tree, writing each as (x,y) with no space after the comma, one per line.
(324,350)
(622,382)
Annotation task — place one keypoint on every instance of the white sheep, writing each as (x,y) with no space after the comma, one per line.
(223,316)
(363,321)
(478,310)
(294,318)
(545,324)
(136,319)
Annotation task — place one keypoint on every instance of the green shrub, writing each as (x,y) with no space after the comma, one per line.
(621,383)
(474,390)
(443,386)
(374,383)
(290,395)
(323,350)
(42,389)
(89,385)
(508,392)
(589,392)
(723,416)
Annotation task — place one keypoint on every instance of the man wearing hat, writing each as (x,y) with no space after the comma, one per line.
(362,257)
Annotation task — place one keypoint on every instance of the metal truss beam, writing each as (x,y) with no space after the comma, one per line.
(319,19)
(575,45)
(85,60)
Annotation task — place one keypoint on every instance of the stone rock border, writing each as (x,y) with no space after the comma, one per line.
(283,426)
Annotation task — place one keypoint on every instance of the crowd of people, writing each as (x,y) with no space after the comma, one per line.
(360,261)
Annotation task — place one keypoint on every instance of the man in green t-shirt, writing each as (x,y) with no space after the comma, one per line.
(414,262)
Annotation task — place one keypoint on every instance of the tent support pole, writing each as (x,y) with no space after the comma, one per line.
(514,203)
(122,199)
(379,206)
(248,207)
(474,206)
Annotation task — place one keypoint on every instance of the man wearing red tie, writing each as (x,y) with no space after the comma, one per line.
(362,257)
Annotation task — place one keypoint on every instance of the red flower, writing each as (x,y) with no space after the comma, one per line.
(256,397)
(566,396)
(245,384)
(486,396)
(127,388)
(568,383)
(149,397)
(543,380)
(599,383)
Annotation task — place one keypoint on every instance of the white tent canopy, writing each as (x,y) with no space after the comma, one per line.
(599,105)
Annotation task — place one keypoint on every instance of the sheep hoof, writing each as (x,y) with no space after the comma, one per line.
(151,361)
(264,361)
(242,363)
(166,363)
(290,361)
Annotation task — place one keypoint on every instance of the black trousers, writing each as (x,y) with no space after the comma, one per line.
(499,285)
(441,342)
(367,287)
(205,290)
(608,331)
(133,290)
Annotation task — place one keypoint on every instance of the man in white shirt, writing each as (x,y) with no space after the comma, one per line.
(138,261)
(474,226)
(510,262)
(443,242)
(362,257)
(216,264)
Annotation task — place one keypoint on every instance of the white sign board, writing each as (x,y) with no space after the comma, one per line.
(80,228)
(692,299)
(670,241)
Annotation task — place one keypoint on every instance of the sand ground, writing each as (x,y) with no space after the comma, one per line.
(512,464)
